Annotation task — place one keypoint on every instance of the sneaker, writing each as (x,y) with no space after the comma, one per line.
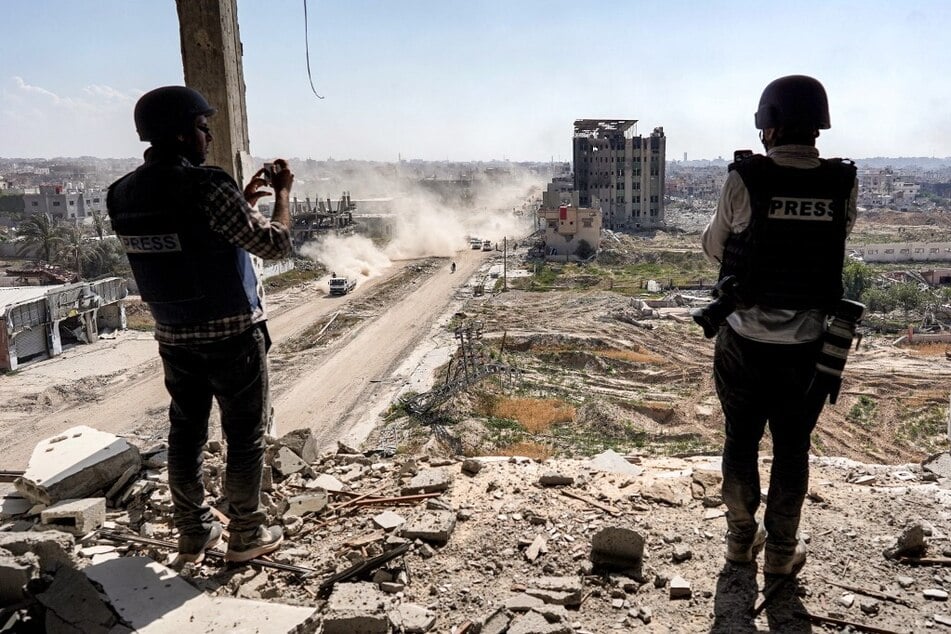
(745,552)
(262,541)
(191,548)
(785,564)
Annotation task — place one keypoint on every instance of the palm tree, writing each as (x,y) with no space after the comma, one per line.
(41,233)
(78,249)
(99,223)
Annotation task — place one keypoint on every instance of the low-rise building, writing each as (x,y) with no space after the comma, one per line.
(568,229)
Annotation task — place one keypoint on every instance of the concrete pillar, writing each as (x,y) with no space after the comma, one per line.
(8,349)
(211,56)
(112,316)
(90,326)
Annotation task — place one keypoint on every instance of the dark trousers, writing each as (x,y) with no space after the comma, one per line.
(760,382)
(234,372)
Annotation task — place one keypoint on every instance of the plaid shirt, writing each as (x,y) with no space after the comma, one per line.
(230,215)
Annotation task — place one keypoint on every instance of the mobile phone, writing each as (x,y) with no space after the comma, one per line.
(270,169)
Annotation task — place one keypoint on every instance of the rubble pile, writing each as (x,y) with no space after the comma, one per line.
(430,543)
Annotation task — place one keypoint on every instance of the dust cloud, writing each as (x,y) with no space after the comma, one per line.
(424,225)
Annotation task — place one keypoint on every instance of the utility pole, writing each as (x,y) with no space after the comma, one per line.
(211,57)
(505,262)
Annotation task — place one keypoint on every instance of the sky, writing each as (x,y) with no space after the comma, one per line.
(486,79)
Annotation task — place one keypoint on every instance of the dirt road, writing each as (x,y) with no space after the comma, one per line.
(117,385)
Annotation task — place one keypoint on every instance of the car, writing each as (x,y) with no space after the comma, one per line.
(475,243)
(342,285)
(486,245)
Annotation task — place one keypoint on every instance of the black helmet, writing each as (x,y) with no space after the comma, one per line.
(167,111)
(793,101)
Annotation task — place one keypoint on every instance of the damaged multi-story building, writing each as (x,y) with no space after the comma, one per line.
(620,172)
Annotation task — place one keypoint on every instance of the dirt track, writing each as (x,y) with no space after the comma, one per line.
(116,385)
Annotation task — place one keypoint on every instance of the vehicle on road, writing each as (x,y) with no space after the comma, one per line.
(475,243)
(342,285)
(486,245)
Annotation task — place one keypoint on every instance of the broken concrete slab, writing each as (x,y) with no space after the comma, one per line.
(553,478)
(938,464)
(556,590)
(911,543)
(301,442)
(327,483)
(538,546)
(388,520)
(679,588)
(497,622)
(74,605)
(428,481)
(300,505)
(356,607)
(52,547)
(431,526)
(612,462)
(671,493)
(471,466)
(75,516)
(616,548)
(16,572)
(521,602)
(287,462)
(75,464)
(154,600)
(412,618)
(11,506)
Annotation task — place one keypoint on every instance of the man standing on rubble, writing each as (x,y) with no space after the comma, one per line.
(780,227)
(188,230)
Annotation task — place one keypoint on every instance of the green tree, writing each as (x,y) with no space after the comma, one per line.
(584,250)
(100,223)
(78,251)
(856,278)
(877,300)
(907,296)
(42,233)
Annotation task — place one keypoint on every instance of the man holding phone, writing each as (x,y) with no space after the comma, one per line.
(188,231)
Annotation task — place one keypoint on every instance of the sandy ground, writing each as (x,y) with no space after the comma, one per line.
(116,385)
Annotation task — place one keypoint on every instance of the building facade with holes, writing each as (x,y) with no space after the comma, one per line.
(36,322)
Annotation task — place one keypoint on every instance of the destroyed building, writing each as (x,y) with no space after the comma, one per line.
(568,229)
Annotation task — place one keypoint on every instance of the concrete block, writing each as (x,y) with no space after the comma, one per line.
(612,462)
(303,443)
(356,608)
(617,548)
(52,547)
(76,464)
(327,483)
(73,605)
(431,526)
(556,590)
(154,600)
(287,462)
(679,588)
(76,516)
(16,572)
(553,478)
(388,520)
(471,466)
(428,481)
(497,622)
(412,618)
(14,505)
(300,505)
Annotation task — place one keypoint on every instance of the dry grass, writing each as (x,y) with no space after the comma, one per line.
(534,415)
(534,450)
(138,316)
(637,355)
(931,349)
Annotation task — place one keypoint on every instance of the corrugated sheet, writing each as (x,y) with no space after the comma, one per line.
(16,294)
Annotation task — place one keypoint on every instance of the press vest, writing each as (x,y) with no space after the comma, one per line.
(791,254)
(187,273)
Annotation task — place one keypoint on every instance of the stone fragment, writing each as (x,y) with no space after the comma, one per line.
(300,505)
(497,622)
(428,481)
(938,464)
(328,483)
(356,607)
(471,466)
(556,590)
(645,614)
(681,553)
(74,605)
(251,589)
(431,526)
(667,491)
(156,460)
(388,520)
(412,618)
(935,594)
(521,602)
(52,547)
(76,464)
(301,442)
(16,572)
(287,462)
(535,623)
(943,619)
(553,478)
(847,600)
(612,462)
(425,551)
(679,588)
(869,606)
(617,548)
(705,483)
(12,506)
(536,547)
(392,587)
(92,551)
(905,581)
(911,543)
(75,516)
(866,480)
(344,448)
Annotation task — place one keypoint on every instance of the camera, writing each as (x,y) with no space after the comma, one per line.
(714,314)
(835,349)
(270,169)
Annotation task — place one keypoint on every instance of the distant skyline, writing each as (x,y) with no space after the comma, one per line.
(491,79)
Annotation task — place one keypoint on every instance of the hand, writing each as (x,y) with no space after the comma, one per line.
(281,181)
